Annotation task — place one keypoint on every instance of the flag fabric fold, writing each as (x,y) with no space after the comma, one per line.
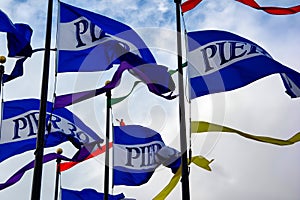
(137,152)
(6,24)
(271,9)
(221,61)
(20,122)
(85,194)
(18,43)
(189,5)
(292,84)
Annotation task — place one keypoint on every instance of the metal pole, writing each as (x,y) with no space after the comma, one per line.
(106,169)
(2,61)
(58,161)
(183,140)
(39,152)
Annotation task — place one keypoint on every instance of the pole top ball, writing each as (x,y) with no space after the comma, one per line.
(107,82)
(59,151)
(2,59)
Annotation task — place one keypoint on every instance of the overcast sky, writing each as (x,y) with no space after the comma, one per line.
(242,169)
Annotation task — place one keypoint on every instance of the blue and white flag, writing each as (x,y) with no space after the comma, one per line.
(87,194)
(220,61)
(91,42)
(20,124)
(138,151)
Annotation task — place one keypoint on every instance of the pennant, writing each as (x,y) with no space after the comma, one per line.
(189,5)
(221,61)
(270,9)
(20,122)
(138,151)
(91,42)
(67,194)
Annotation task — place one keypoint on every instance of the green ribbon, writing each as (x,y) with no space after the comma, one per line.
(119,99)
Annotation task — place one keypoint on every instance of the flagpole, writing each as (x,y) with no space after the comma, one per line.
(39,152)
(58,161)
(2,61)
(183,141)
(106,169)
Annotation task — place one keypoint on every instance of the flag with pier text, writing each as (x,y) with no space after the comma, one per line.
(220,61)
(138,151)
(20,124)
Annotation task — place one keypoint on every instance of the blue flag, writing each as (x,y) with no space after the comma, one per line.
(19,128)
(6,25)
(222,61)
(138,151)
(91,42)
(18,36)
(18,43)
(87,194)
(17,71)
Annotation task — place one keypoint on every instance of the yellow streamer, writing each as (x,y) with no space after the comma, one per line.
(198,160)
(201,127)
(202,162)
(169,188)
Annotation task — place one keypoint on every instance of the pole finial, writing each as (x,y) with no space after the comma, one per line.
(107,82)
(59,150)
(2,59)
